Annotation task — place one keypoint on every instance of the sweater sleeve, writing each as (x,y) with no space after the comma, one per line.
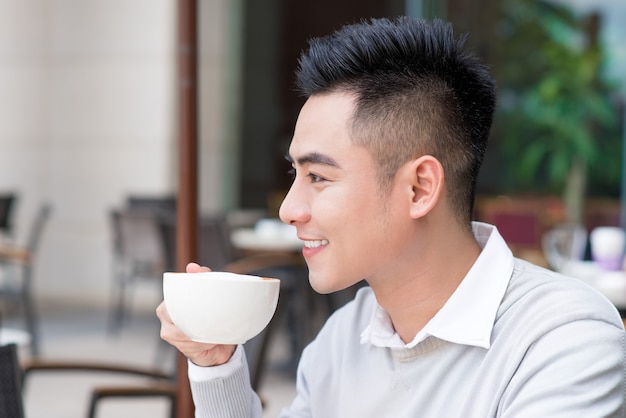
(301,405)
(227,395)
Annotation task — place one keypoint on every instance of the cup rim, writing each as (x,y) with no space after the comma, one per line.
(220,275)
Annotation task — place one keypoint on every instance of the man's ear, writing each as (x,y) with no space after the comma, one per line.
(427,183)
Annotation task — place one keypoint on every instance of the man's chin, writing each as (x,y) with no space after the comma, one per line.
(325,286)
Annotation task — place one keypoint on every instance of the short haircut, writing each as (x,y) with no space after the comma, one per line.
(416,92)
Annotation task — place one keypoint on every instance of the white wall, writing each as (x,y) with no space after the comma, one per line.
(88,114)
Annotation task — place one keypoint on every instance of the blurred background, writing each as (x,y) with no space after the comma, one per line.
(89,117)
(89,107)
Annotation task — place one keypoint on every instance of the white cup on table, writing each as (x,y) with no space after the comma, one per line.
(607,247)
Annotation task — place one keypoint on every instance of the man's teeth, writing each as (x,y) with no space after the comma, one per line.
(315,244)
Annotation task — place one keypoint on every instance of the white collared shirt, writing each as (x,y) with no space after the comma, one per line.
(468,315)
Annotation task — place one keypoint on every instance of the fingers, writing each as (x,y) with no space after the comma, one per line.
(202,354)
(196,268)
(169,331)
(206,355)
(173,335)
(162,313)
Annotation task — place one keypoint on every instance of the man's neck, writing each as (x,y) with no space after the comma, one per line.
(413,297)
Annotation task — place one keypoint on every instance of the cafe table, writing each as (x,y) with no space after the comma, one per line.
(267,235)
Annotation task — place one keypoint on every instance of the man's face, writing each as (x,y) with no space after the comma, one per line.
(349,226)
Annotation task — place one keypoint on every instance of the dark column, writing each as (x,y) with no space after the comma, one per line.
(187,203)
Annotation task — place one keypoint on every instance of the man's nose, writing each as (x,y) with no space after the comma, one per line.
(294,208)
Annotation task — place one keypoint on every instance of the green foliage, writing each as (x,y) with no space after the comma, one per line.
(554,101)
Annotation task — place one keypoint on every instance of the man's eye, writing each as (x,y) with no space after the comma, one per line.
(315,178)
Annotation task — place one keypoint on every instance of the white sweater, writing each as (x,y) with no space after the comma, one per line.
(514,340)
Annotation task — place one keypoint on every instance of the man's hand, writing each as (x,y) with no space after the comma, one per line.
(202,354)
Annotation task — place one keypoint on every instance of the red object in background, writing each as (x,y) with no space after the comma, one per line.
(518,229)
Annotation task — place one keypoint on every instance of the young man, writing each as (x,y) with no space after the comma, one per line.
(386,151)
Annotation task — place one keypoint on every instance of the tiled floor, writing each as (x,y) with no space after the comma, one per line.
(80,333)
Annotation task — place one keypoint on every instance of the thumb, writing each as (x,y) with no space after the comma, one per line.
(196,268)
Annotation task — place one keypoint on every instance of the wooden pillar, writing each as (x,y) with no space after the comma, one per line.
(187,202)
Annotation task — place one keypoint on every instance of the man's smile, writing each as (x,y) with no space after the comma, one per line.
(315,243)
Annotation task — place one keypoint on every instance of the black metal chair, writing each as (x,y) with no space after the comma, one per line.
(141,249)
(156,384)
(7,204)
(138,254)
(11,402)
(21,260)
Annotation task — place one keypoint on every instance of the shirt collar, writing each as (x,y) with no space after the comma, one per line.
(469,314)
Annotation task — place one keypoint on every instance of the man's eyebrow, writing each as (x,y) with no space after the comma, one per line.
(313,158)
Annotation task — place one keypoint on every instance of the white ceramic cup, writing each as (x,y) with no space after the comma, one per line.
(220,307)
(607,247)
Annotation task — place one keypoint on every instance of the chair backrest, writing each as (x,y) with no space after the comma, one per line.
(157,203)
(36,230)
(7,203)
(168,232)
(11,403)
(138,239)
(164,206)
(214,246)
